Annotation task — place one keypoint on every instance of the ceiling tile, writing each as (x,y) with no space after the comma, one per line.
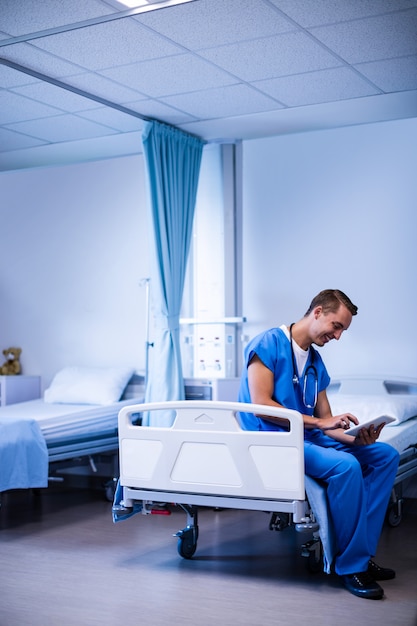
(308,13)
(12,78)
(126,41)
(270,57)
(392,74)
(62,128)
(56,96)
(323,86)
(158,110)
(223,102)
(114,119)
(15,108)
(102,87)
(372,39)
(10,140)
(28,55)
(19,17)
(172,75)
(209,23)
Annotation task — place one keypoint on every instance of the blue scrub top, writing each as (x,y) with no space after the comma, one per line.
(274,350)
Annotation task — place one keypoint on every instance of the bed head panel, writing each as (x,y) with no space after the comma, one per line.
(372,385)
(369,398)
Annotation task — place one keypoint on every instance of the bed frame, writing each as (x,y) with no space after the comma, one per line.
(81,442)
(206,459)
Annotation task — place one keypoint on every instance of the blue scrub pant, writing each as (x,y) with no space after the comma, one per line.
(359,481)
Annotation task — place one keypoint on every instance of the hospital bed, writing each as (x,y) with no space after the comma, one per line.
(205,459)
(71,431)
(371,397)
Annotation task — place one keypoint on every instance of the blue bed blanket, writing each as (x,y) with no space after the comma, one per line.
(23,455)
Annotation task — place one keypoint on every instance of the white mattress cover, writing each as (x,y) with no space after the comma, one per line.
(400,436)
(62,421)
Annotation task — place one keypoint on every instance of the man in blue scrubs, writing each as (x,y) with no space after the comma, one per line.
(283,369)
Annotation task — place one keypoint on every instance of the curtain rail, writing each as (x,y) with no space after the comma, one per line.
(79,92)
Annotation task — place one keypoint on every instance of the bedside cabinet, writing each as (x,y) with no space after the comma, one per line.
(19,388)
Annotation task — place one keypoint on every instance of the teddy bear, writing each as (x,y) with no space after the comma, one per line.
(12,365)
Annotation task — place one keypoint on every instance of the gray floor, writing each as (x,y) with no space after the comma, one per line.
(65,563)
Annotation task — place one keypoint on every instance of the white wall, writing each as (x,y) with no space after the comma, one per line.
(321,209)
(336,209)
(74,248)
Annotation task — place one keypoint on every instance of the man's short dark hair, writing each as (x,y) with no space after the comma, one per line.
(330,300)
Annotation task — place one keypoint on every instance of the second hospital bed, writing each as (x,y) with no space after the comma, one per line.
(68,433)
(205,459)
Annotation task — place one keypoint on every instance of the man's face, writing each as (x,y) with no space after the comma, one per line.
(327,326)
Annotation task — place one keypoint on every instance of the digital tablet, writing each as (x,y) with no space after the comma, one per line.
(376,421)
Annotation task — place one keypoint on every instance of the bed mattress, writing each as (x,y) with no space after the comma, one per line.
(401,433)
(400,436)
(61,423)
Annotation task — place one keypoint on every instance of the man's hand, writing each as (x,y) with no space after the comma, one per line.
(368,436)
(337,421)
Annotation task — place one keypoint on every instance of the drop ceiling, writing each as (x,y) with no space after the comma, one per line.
(78,78)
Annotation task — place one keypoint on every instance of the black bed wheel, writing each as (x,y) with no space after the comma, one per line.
(314,562)
(394,515)
(187,543)
(110,489)
(313,551)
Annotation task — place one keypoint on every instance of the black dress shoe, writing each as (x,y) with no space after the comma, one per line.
(363,585)
(380,573)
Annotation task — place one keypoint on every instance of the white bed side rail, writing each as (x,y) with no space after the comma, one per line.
(205,451)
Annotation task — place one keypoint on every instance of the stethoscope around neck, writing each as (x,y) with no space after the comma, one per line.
(310,371)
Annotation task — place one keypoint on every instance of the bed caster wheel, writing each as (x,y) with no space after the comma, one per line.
(395,514)
(313,551)
(279,521)
(314,563)
(120,512)
(110,489)
(187,542)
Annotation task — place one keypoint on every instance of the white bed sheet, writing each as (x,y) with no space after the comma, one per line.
(400,436)
(368,398)
(59,422)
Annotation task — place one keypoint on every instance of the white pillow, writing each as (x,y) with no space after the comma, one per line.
(88,385)
(400,407)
